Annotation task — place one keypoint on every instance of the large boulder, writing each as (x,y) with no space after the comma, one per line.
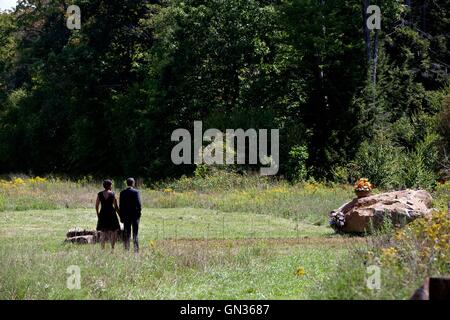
(368,213)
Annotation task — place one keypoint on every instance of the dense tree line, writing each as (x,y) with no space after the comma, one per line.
(105,99)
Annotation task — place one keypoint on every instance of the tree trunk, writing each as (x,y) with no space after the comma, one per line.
(375,57)
(424,16)
(409,19)
(374,68)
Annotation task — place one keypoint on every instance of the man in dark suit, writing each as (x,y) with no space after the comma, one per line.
(130,213)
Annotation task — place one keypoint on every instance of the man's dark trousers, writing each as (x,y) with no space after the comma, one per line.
(130,214)
(127,226)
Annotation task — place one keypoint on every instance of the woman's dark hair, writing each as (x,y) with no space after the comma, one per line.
(107,184)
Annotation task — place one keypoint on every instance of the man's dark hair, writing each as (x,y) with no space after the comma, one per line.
(130,182)
(107,183)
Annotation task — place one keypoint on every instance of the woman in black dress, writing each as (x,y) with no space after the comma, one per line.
(107,223)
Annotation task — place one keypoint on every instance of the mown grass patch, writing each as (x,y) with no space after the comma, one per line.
(187,265)
(244,239)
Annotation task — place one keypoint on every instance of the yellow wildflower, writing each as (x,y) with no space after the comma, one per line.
(399,235)
(389,252)
(37,180)
(300,272)
(18,181)
(152,244)
(279,190)
(388,255)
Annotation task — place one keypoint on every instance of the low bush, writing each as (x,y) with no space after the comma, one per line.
(405,258)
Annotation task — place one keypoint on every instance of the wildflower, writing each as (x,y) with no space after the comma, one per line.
(311,187)
(300,272)
(37,180)
(152,244)
(389,252)
(399,235)
(279,190)
(5,184)
(168,190)
(18,181)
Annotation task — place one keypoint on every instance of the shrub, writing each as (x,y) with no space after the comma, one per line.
(389,166)
(296,169)
(419,166)
(202,170)
(441,195)
(379,161)
(443,119)
(405,257)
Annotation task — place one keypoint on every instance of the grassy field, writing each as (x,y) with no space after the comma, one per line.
(251,241)
(186,253)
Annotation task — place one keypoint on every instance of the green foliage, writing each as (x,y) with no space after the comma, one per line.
(389,166)
(443,119)
(441,196)
(104,100)
(405,257)
(201,171)
(419,166)
(197,236)
(297,163)
(343,174)
(192,267)
(379,161)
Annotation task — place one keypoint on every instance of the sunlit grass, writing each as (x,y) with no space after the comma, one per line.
(220,237)
(193,259)
(308,202)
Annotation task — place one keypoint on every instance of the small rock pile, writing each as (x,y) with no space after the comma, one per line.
(82,236)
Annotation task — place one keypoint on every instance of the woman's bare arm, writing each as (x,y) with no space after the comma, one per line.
(97,205)
(116,206)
